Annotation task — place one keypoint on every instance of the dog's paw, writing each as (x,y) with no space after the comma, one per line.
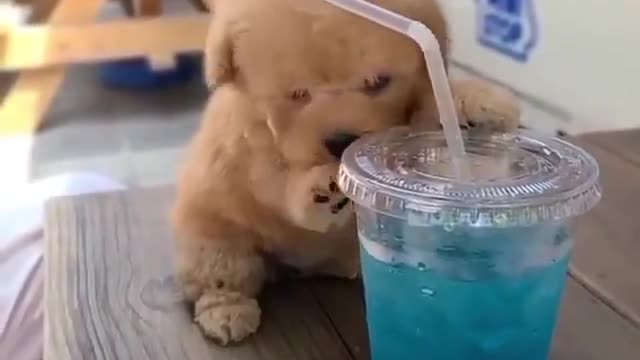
(329,198)
(327,205)
(319,204)
(227,318)
(484,108)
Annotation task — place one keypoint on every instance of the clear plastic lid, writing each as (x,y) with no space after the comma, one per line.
(515,179)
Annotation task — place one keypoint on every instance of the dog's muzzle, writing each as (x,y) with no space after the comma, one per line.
(338,143)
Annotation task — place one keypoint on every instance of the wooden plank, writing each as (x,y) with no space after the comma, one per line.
(106,293)
(33,91)
(110,293)
(625,144)
(588,329)
(37,46)
(343,302)
(607,243)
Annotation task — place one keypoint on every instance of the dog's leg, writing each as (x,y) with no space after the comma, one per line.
(222,281)
(485,108)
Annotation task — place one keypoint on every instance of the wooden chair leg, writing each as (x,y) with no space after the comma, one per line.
(156,61)
(128,6)
(141,7)
(200,5)
(150,7)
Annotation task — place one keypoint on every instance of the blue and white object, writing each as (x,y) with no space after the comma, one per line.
(140,74)
(507,26)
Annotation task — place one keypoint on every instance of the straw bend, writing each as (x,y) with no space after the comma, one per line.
(428,43)
(422,35)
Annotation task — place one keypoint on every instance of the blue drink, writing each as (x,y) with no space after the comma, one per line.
(465,269)
(466,296)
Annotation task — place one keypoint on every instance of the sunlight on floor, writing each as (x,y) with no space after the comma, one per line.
(15,157)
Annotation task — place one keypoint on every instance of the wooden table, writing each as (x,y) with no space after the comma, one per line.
(110,293)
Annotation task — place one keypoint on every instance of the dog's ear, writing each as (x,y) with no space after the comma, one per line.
(218,55)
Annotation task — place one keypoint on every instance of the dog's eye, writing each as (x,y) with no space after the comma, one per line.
(376,84)
(300,95)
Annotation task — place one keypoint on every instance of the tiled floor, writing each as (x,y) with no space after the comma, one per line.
(137,137)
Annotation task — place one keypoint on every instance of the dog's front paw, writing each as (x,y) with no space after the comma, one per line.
(318,204)
(484,108)
(227,317)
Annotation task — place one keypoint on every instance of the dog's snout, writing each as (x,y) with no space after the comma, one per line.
(338,143)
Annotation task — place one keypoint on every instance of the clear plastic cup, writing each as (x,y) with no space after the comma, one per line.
(457,270)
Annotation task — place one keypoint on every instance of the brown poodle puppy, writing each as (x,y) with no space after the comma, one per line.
(296,82)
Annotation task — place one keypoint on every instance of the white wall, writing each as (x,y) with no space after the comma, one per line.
(584,72)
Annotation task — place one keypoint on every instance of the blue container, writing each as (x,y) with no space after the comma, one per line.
(137,74)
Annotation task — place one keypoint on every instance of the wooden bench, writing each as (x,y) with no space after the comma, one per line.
(70,35)
(110,293)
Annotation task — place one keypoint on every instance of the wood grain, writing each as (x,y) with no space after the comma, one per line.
(588,329)
(624,144)
(343,302)
(110,293)
(607,245)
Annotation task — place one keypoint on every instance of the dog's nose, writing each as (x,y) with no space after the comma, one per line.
(338,143)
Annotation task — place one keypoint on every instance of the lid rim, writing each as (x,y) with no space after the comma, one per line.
(571,192)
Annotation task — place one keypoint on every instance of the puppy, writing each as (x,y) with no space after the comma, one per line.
(296,82)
